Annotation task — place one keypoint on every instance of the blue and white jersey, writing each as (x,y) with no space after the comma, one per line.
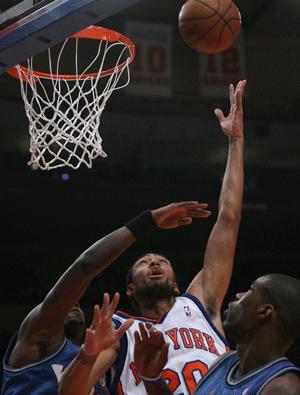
(221,379)
(40,378)
(195,344)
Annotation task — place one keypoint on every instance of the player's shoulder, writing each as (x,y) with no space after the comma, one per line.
(286,384)
(189,297)
(190,302)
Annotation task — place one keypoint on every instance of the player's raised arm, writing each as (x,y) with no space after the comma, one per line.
(46,321)
(211,284)
(74,282)
(100,337)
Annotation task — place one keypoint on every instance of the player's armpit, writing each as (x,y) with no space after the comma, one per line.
(26,350)
(103,363)
(288,384)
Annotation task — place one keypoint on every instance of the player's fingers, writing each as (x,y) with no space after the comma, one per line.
(137,338)
(244,83)
(239,85)
(124,327)
(187,204)
(203,214)
(240,94)
(219,114)
(114,304)
(197,206)
(199,213)
(154,334)
(143,331)
(96,317)
(105,305)
(239,101)
(202,205)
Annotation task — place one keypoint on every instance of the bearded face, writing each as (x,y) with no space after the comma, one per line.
(155,290)
(153,279)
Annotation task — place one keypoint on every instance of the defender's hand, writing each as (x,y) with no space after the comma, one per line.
(178,214)
(232,125)
(150,351)
(102,335)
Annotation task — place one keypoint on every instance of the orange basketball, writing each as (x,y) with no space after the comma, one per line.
(209,25)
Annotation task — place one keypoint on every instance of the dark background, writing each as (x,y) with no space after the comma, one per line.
(160,151)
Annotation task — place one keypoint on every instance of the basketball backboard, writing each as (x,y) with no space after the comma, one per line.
(29,27)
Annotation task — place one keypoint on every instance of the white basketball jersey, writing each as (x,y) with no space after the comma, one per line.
(195,343)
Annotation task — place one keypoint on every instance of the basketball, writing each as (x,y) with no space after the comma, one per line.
(209,26)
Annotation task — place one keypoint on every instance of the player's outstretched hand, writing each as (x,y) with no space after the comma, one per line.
(178,214)
(102,335)
(233,125)
(150,351)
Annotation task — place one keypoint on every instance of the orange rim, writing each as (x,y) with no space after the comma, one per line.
(93,33)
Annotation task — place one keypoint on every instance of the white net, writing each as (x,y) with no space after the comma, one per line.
(64,114)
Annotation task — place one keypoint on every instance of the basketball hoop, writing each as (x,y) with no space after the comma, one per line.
(64,110)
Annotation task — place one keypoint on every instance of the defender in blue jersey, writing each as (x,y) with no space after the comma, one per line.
(223,377)
(264,323)
(38,378)
(41,378)
(39,352)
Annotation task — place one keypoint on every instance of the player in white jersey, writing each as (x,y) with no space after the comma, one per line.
(153,289)
(194,340)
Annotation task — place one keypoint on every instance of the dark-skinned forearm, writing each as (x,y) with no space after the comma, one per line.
(219,256)
(74,282)
(231,197)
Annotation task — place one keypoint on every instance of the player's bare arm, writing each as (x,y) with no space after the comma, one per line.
(100,337)
(44,325)
(288,384)
(211,284)
(150,357)
(168,217)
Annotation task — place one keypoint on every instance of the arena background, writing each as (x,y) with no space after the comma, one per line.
(164,145)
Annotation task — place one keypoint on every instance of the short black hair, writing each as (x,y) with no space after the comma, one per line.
(283,292)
